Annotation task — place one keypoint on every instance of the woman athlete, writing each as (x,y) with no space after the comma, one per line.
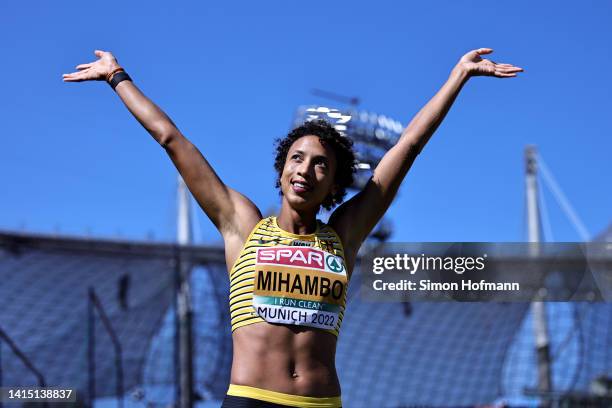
(288,274)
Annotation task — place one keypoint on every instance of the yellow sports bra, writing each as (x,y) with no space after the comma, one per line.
(287,278)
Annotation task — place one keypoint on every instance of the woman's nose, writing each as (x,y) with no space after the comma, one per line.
(304,168)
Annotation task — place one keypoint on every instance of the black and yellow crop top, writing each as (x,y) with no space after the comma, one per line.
(286,278)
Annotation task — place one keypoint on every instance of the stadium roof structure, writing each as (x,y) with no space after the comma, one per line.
(605,235)
(389,354)
(45,314)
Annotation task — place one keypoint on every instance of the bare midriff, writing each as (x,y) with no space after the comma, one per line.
(293,360)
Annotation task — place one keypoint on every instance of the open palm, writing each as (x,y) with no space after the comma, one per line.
(94,71)
(475,65)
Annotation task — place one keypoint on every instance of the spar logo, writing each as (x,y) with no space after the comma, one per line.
(301,257)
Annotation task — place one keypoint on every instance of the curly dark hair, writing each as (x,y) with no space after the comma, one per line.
(329,136)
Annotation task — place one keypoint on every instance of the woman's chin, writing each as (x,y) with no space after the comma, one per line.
(301,203)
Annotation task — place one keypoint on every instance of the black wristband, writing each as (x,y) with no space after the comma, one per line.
(119,77)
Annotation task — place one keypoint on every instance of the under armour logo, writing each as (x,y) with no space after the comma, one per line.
(262,241)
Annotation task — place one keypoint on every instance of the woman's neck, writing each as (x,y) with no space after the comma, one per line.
(297,222)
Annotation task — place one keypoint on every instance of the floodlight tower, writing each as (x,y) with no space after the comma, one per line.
(373,135)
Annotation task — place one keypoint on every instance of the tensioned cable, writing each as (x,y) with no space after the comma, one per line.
(548,234)
(563,201)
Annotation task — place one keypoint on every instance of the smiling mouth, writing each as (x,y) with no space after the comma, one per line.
(300,187)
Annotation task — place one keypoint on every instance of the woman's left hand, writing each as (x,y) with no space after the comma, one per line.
(474,65)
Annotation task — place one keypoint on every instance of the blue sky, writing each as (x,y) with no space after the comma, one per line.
(231,75)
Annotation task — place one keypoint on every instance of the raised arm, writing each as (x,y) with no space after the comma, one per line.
(356,218)
(232,213)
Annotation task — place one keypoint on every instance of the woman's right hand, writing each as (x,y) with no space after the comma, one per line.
(94,71)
